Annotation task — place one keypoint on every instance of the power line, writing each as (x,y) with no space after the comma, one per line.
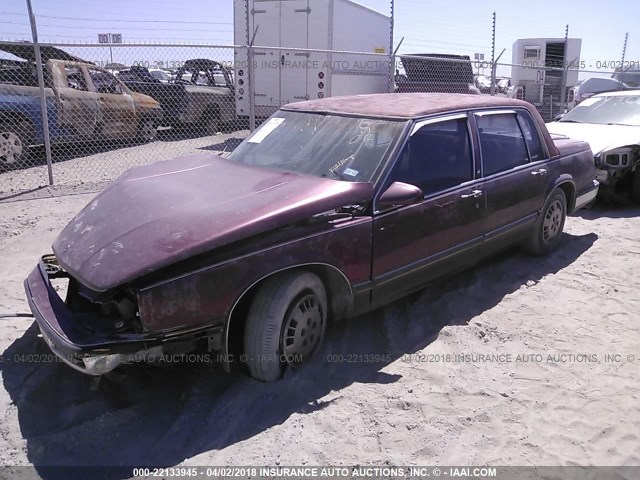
(120,20)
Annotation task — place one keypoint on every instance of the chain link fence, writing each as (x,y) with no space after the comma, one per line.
(111,107)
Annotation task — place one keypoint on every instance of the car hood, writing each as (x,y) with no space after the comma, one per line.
(156,215)
(600,137)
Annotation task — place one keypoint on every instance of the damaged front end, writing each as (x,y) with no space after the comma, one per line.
(94,332)
(614,166)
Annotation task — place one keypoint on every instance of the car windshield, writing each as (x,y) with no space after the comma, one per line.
(339,147)
(607,110)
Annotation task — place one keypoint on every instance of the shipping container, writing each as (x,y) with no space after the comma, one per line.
(284,75)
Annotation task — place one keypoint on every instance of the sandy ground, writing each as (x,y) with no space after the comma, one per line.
(552,398)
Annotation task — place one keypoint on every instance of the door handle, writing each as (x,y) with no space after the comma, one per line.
(542,171)
(473,194)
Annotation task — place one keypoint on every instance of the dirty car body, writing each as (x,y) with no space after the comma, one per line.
(174,255)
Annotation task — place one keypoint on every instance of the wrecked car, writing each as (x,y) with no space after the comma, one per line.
(610,123)
(330,209)
(201,94)
(84,102)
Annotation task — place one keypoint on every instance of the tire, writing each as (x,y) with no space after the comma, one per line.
(635,186)
(210,122)
(147,130)
(547,229)
(15,139)
(286,324)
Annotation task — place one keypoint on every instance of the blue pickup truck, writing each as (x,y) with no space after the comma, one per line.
(84,102)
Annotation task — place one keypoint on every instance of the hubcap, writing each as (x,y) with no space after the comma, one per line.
(10,147)
(552,221)
(302,329)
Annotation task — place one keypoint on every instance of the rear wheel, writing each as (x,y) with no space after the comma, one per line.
(15,139)
(210,121)
(548,227)
(285,325)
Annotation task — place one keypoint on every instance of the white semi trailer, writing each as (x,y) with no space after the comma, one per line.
(283,74)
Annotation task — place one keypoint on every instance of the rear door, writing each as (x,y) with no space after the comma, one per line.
(515,167)
(294,18)
(414,244)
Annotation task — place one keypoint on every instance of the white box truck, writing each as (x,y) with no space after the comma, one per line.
(284,75)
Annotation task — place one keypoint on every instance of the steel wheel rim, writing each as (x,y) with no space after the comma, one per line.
(552,221)
(10,147)
(303,327)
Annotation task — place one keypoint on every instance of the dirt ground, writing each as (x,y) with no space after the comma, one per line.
(505,364)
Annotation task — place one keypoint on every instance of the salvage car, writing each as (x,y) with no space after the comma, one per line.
(201,94)
(84,102)
(330,209)
(610,123)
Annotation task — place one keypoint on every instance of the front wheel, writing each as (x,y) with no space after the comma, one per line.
(14,143)
(548,227)
(285,325)
(147,130)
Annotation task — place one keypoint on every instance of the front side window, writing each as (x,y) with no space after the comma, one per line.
(438,156)
(337,147)
(104,82)
(501,142)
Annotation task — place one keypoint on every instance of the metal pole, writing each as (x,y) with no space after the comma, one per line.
(493,56)
(563,92)
(43,95)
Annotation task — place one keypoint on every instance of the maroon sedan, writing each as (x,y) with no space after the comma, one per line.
(330,209)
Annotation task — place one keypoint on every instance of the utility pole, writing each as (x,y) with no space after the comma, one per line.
(43,94)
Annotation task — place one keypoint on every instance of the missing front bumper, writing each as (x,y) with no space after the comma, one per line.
(83,350)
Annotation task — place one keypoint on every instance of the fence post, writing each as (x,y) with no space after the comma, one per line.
(493,56)
(563,92)
(43,94)
(392,66)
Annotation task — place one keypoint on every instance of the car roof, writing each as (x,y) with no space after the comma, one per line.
(402,105)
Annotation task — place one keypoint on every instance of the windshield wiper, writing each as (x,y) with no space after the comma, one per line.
(570,121)
(336,173)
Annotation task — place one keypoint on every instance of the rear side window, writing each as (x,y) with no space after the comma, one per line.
(531,136)
(439,156)
(502,144)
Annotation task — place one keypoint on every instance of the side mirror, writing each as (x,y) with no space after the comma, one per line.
(400,193)
(558,117)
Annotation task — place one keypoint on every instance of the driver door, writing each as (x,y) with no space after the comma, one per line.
(116,105)
(417,243)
